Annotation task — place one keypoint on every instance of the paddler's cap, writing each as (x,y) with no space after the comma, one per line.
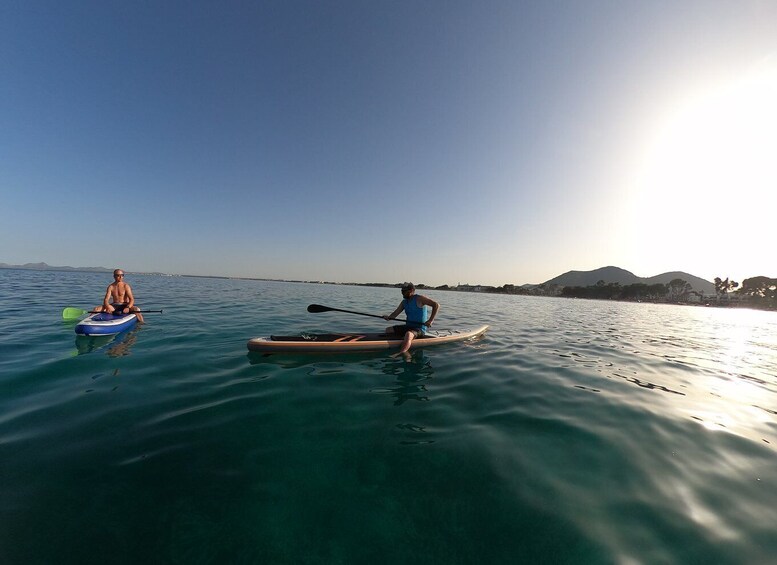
(408,286)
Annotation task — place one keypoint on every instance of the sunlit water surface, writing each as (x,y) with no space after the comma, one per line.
(573,432)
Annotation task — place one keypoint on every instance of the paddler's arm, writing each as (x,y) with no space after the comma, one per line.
(107,299)
(395,313)
(128,294)
(433,304)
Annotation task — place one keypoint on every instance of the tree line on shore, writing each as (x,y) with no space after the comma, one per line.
(755,292)
(758,292)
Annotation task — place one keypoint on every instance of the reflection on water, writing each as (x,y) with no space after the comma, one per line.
(412,374)
(296,361)
(88,343)
(120,344)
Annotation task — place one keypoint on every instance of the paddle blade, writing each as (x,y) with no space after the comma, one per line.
(71,313)
(316,308)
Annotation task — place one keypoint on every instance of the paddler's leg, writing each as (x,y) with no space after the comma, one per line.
(393,331)
(407,341)
(136,310)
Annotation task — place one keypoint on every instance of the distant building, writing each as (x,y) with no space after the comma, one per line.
(469,288)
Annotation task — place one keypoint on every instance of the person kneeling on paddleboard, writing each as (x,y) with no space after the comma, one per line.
(119,298)
(416,307)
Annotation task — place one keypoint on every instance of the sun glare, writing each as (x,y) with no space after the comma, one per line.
(709,174)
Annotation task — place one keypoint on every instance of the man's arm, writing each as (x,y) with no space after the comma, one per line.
(107,299)
(395,313)
(433,304)
(128,294)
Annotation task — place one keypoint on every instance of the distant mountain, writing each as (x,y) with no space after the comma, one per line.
(624,277)
(590,278)
(45,267)
(697,283)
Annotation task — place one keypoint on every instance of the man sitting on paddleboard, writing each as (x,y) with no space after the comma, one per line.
(416,309)
(119,298)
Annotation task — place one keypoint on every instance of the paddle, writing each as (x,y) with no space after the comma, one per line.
(71,313)
(317,308)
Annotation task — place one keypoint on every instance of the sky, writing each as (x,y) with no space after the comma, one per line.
(442,142)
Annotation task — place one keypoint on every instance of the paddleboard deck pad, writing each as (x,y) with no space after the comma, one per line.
(104,323)
(319,343)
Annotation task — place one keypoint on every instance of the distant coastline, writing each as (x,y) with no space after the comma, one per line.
(568,285)
(65,269)
(46,267)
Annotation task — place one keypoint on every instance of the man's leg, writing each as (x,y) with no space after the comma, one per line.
(136,311)
(407,341)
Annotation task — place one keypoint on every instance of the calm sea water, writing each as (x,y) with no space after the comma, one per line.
(574,432)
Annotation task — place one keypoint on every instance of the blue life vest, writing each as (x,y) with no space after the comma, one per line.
(416,313)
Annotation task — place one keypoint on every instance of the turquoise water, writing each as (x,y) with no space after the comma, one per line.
(574,432)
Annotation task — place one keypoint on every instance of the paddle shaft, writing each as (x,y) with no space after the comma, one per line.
(317,308)
(71,313)
(130,312)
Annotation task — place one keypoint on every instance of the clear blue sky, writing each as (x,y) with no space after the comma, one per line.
(440,142)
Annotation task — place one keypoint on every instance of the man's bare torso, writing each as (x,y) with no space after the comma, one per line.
(119,292)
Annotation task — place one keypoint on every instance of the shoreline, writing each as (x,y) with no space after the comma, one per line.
(507,289)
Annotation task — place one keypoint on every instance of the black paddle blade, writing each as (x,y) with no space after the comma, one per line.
(316,308)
